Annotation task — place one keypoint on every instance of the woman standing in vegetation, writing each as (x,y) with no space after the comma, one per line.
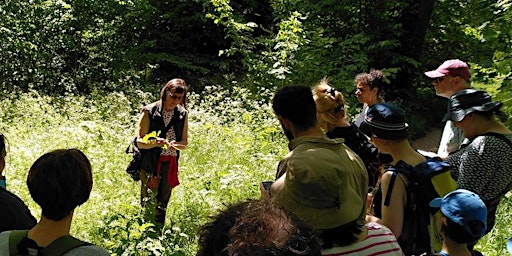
(333,118)
(369,90)
(163,132)
(484,165)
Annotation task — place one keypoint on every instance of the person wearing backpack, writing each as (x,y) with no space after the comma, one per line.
(482,166)
(400,200)
(59,182)
(463,221)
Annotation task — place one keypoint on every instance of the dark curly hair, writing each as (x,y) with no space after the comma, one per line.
(374,79)
(257,228)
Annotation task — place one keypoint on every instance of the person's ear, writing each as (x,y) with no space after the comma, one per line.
(285,122)
(441,223)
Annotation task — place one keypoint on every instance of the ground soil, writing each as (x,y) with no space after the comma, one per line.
(429,142)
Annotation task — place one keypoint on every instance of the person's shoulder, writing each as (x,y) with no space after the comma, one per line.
(87,250)
(181,109)
(6,195)
(4,241)
(150,106)
(11,201)
(4,236)
(374,226)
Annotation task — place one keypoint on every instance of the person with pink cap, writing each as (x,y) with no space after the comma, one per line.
(449,78)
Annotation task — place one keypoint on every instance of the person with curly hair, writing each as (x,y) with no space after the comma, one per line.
(257,228)
(333,118)
(369,90)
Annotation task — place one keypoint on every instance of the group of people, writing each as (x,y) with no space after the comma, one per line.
(61,180)
(333,163)
(335,193)
(58,181)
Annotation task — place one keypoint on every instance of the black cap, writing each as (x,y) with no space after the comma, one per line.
(385,121)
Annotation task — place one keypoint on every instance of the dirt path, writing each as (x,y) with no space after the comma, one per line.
(430,141)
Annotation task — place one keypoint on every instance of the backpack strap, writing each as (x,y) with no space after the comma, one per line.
(62,245)
(499,136)
(390,188)
(14,238)
(58,247)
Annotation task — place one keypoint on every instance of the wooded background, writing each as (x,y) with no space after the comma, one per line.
(80,46)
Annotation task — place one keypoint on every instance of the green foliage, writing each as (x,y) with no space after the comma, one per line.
(479,38)
(234,143)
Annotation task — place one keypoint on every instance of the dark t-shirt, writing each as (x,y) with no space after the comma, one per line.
(358,143)
(14,214)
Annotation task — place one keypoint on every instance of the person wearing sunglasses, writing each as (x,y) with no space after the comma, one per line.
(449,78)
(167,119)
(333,119)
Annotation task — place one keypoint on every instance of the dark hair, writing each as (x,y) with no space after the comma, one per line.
(374,79)
(2,143)
(491,114)
(59,181)
(214,235)
(297,104)
(341,236)
(260,228)
(176,85)
(458,234)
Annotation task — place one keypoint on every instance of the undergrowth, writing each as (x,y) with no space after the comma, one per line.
(234,143)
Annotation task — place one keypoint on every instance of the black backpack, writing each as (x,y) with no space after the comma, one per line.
(134,167)
(426,181)
(58,247)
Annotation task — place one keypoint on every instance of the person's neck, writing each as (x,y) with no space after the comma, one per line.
(491,125)
(313,131)
(46,230)
(453,248)
(457,89)
(373,102)
(342,122)
(403,151)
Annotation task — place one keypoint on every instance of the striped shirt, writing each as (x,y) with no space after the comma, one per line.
(379,241)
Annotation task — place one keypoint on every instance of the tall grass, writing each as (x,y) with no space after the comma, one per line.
(234,143)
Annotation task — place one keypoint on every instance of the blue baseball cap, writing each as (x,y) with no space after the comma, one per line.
(463,207)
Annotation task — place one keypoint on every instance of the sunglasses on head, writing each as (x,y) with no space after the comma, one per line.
(179,89)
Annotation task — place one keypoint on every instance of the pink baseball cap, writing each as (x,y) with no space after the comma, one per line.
(453,67)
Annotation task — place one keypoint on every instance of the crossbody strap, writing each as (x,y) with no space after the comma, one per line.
(62,245)
(499,136)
